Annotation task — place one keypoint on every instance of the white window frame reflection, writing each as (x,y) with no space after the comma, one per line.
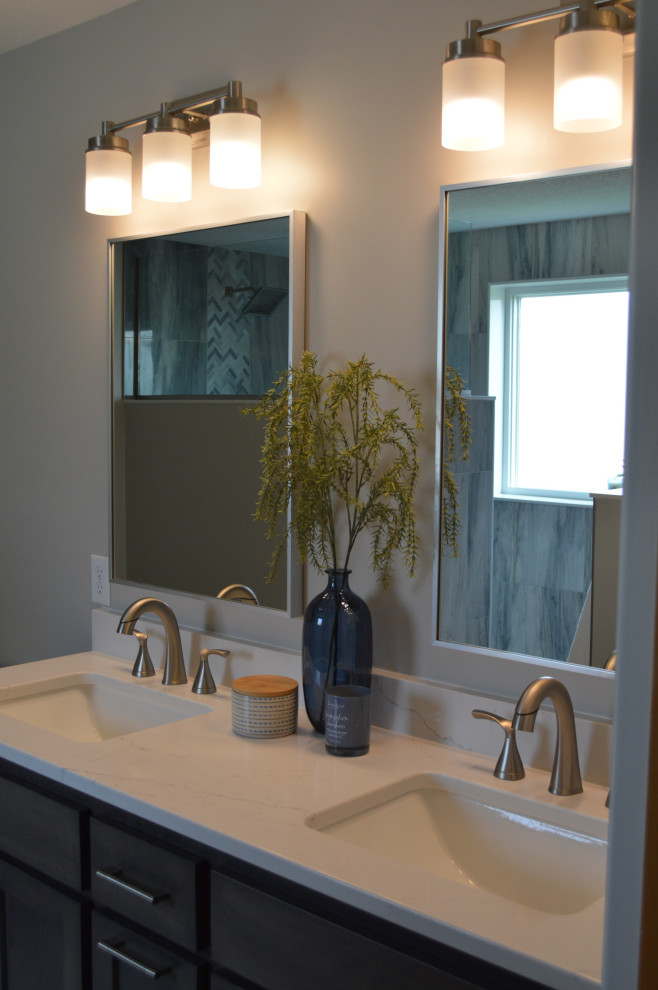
(570,418)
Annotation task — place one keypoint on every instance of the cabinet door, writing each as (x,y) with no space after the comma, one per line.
(280,946)
(43,832)
(43,935)
(125,960)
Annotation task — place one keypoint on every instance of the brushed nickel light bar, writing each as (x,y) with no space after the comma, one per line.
(587,73)
(233,122)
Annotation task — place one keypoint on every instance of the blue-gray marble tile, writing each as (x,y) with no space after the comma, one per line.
(552,544)
(179,367)
(481,410)
(535,621)
(465,580)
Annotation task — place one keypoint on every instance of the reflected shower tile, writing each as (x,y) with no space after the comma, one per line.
(268,334)
(459,285)
(538,621)
(479,362)
(504,540)
(229,339)
(552,543)
(481,410)
(479,533)
(541,572)
(560,614)
(173,290)
(179,367)
(465,580)
(458,353)
(474,633)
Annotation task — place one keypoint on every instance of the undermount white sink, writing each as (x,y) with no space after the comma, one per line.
(544,857)
(89,707)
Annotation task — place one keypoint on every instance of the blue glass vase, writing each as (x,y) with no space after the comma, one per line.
(336,644)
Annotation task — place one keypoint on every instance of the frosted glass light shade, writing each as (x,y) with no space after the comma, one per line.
(167,166)
(108,188)
(588,81)
(473,114)
(235,150)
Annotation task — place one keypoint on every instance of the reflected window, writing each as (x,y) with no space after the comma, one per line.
(558,369)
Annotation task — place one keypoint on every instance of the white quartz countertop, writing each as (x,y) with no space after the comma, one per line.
(250,799)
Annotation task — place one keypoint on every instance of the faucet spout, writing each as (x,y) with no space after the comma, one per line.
(565,778)
(174,667)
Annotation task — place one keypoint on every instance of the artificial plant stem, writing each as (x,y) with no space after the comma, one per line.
(355,526)
(331,528)
(343,455)
(333,643)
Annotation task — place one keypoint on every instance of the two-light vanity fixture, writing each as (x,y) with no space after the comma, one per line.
(587,74)
(234,125)
(587,97)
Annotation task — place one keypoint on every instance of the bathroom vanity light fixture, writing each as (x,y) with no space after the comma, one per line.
(233,123)
(587,73)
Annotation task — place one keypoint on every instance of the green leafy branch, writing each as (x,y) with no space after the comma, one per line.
(346,462)
(456,435)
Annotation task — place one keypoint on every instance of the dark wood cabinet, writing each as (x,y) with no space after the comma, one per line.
(93,898)
(221,983)
(45,833)
(282,946)
(43,934)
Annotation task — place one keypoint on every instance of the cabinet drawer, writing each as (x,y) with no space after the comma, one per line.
(43,832)
(149,883)
(281,946)
(125,960)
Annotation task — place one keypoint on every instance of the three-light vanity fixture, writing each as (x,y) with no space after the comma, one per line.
(234,125)
(587,74)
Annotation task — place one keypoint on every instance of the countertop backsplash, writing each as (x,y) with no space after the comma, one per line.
(408,705)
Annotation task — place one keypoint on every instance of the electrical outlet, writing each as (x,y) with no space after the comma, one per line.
(100,580)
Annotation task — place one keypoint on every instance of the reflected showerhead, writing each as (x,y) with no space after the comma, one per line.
(264,300)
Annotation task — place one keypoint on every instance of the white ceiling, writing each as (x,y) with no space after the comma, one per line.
(24,21)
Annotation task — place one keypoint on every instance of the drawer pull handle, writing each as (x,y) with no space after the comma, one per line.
(132,888)
(116,951)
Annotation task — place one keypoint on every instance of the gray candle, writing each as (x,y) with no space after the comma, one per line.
(347,720)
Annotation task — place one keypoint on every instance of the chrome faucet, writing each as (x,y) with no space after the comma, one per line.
(565,778)
(174,667)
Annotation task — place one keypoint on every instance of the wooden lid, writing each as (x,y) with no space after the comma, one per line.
(264,686)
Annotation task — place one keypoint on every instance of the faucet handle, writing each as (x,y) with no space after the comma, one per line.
(204,682)
(143,666)
(510,765)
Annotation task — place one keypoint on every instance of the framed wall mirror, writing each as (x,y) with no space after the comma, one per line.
(534,319)
(203,322)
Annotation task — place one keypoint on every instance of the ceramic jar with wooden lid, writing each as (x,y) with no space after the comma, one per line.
(264,706)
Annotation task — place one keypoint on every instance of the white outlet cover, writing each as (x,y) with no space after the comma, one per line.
(100,580)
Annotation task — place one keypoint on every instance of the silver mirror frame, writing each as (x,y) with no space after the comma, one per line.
(480,669)
(209,614)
